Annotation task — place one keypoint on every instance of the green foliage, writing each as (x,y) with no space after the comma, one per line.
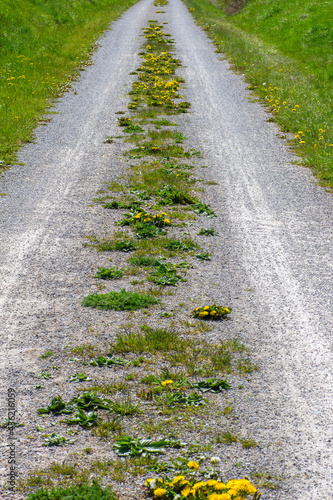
(85,401)
(203,209)
(133,129)
(56,407)
(127,446)
(44,374)
(124,121)
(83,419)
(170,195)
(105,429)
(176,398)
(187,245)
(10,423)
(44,44)
(109,274)
(284,51)
(207,232)
(78,377)
(165,274)
(148,340)
(108,361)
(227,437)
(46,355)
(125,407)
(143,261)
(120,301)
(55,439)
(80,492)
(212,385)
(125,246)
(203,256)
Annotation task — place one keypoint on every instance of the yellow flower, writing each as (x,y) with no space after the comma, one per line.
(211,482)
(167,382)
(166,221)
(206,308)
(177,479)
(213,313)
(223,496)
(193,465)
(186,491)
(205,313)
(219,486)
(198,308)
(197,486)
(159,492)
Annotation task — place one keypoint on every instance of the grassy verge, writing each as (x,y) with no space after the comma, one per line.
(43,46)
(285,52)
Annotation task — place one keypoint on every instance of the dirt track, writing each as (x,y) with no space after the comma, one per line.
(273,257)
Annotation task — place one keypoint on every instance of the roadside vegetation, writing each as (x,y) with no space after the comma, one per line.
(284,49)
(43,47)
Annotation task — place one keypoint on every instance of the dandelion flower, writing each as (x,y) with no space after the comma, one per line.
(193,465)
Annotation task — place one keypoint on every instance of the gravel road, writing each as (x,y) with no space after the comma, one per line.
(273,257)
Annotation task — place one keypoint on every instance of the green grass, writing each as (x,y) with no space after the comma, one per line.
(148,340)
(119,301)
(81,492)
(43,45)
(285,51)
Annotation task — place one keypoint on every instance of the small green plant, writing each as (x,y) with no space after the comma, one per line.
(125,407)
(211,312)
(172,399)
(133,129)
(212,385)
(203,209)
(143,261)
(203,256)
(125,246)
(207,232)
(44,374)
(110,360)
(46,355)
(105,429)
(165,274)
(55,439)
(148,340)
(78,377)
(87,420)
(248,443)
(246,366)
(120,301)
(186,245)
(56,407)
(80,492)
(109,274)
(10,423)
(227,437)
(124,121)
(127,446)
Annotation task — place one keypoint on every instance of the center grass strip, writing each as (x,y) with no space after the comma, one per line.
(120,301)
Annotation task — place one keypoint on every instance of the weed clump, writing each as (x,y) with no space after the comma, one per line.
(119,301)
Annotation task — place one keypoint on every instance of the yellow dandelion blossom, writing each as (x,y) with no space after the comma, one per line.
(193,465)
